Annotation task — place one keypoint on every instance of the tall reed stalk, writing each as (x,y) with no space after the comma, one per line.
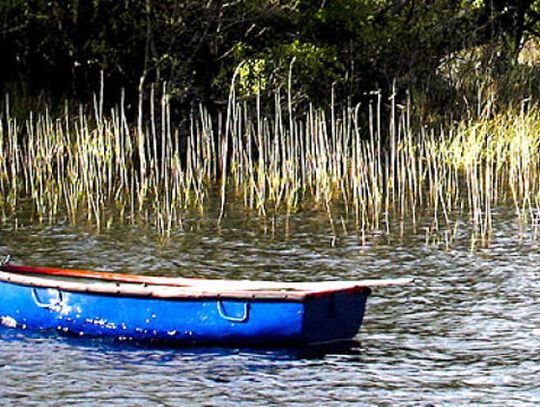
(97,165)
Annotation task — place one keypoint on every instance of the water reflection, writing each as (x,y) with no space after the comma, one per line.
(467,332)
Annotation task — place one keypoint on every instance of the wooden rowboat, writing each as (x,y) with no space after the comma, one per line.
(182,310)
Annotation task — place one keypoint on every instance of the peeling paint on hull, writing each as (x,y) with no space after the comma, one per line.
(257,322)
(8,322)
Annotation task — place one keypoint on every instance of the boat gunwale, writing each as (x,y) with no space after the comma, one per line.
(125,285)
(152,291)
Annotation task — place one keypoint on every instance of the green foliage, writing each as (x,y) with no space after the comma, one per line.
(354,46)
(252,80)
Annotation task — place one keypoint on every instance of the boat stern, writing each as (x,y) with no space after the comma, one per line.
(334,316)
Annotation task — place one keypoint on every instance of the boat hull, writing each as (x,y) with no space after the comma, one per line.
(320,318)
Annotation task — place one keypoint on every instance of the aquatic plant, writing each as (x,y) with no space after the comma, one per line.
(98,166)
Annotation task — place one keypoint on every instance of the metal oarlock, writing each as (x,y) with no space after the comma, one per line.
(6,260)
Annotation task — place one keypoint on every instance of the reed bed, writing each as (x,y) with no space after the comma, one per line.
(95,165)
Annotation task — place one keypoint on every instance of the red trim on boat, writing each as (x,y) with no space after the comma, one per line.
(217,288)
(96,275)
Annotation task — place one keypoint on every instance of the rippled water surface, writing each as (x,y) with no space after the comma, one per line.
(468,330)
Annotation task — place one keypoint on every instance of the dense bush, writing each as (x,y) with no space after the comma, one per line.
(58,48)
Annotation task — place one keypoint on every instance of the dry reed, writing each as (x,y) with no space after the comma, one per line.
(99,166)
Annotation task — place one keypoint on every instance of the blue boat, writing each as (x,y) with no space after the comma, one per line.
(182,310)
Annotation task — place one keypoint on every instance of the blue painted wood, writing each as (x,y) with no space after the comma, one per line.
(321,318)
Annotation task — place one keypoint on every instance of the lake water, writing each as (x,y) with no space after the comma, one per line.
(467,332)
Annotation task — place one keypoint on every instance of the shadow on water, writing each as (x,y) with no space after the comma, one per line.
(133,350)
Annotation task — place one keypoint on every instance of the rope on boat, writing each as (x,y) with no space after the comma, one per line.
(240,319)
(54,304)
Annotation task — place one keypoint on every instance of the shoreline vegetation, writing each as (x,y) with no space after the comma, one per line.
(372,161)
(378,114)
